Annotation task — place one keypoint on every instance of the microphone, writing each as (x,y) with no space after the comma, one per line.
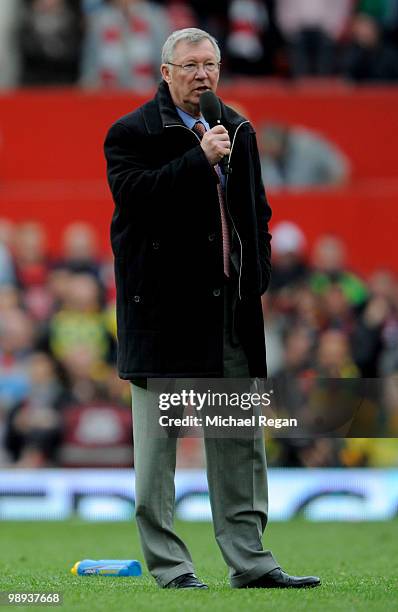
(210,108)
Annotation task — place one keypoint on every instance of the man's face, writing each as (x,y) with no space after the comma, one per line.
(186,87)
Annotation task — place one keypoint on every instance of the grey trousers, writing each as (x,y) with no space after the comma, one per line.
(237,479)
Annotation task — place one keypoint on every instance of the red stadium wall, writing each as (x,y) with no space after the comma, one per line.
(52,167)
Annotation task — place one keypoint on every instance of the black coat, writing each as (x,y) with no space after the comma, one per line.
(167,242)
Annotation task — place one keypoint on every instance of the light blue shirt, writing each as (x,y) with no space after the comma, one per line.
(190,122)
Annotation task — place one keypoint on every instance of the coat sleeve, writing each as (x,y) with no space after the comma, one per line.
(263,212)
(136,185)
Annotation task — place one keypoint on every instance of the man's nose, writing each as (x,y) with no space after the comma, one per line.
(201,73)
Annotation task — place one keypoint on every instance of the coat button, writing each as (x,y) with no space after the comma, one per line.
(155,245)
(211,237)
(137,298)
(216,292)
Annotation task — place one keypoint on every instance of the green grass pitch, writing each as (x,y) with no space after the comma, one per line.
(358,564)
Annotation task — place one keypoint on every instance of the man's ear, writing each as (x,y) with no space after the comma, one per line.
(165,72)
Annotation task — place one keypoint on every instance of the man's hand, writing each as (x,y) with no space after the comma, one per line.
(215,144)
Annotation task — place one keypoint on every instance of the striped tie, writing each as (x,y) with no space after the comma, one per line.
(200,129)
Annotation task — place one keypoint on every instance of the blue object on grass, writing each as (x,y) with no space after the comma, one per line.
(107,567)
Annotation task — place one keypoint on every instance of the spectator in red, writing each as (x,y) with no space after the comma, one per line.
(30,251)
(80,252)
(32,265)
(97,420)
(337,311)
(245,45)
(180,14)
(123,43)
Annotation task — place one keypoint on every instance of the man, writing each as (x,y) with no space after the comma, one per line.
(192,253)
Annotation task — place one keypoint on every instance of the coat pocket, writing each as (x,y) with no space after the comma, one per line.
(138,296)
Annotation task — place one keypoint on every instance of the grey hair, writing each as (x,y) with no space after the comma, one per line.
(190,35)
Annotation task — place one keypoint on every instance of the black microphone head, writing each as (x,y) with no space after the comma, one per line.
(210,107)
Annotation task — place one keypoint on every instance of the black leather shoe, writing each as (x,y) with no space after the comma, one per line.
(186,581)
(278,579)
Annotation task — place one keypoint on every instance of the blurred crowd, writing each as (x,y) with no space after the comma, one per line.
(62,403)
(117,43)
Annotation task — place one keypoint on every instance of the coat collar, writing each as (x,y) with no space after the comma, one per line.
(161,112)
